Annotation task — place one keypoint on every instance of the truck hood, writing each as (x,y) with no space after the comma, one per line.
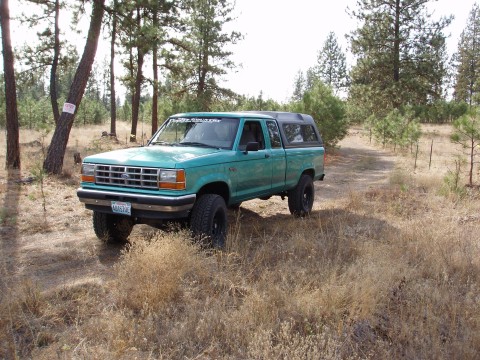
(151,156)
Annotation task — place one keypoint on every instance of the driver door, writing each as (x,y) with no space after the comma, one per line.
(253,168)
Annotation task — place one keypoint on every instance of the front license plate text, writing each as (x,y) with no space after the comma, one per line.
(120,207)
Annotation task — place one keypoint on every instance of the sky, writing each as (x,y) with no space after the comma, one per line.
(282,38)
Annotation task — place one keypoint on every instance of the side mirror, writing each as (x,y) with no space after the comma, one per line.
(252,146)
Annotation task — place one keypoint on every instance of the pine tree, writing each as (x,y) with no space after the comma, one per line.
(143,31)
(205,56)
(331,65)
(113,37)
(298,86)
(163,16)
(467,60)
(401,55)
(327,109)
(466,132)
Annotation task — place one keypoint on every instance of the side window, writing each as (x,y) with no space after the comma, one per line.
(274,134)
(252,131)
(293,133)
(297,133)
(309,133)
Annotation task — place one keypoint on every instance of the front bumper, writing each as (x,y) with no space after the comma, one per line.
(143,206)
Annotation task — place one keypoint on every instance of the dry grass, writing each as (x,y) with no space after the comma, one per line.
(389,272)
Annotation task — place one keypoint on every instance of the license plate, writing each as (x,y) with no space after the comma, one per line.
(120,207)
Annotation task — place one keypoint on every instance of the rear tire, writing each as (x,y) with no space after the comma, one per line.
(112,228)
(208,221)
(301,198)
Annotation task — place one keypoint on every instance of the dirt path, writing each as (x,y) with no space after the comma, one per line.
(356,166)
(58,248)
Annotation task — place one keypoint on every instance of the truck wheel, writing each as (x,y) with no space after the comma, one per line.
(112,228)
(300,199)
(209,220)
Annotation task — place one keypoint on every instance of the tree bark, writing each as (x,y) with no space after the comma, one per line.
(136,95)
(13,146)
(138,86)
(155,91)
(53,70)
(113,100)
(155,78)
(396,44)
(56,152)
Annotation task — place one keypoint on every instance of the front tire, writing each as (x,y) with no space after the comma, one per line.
(208,221)
(301,198)
(112,228)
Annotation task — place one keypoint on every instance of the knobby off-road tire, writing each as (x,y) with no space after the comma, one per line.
(300,199)
(208,221)
(112,228)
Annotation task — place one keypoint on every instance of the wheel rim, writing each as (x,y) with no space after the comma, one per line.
(218,224)
(307,198)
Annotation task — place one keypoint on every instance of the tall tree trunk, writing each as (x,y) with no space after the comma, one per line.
(113,100)
(155,91)
(472,161)
(473,65)
(56,152)
(138,85)
(396,44)
(136,95)
(13,146)
(53,70)
(155,77)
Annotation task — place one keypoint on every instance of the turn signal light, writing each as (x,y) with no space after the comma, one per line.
(88,178)
(172,179)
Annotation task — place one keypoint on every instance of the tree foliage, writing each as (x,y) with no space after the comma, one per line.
(401,55)
(467,135)
(327,110)
(398,128)
(331,65)
(50,53)
(205,52)
(467,61)
(144,30)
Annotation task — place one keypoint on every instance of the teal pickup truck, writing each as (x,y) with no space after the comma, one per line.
(199,164)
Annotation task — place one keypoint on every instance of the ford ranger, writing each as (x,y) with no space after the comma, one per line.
(199,164)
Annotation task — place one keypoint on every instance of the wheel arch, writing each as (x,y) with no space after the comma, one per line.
(310,172)
(218,187)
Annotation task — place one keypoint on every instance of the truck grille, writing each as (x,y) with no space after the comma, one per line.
(126,176)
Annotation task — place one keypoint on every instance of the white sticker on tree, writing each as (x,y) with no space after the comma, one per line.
(69,108)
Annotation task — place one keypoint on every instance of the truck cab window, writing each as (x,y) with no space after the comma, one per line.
(274,134)
(252,131)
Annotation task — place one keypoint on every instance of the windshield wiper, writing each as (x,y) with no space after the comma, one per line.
(194,143)
(161,143)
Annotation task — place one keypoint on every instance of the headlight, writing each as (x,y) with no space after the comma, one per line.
(172,179)
(88,172)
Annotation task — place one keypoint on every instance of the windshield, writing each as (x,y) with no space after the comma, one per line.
(197,131)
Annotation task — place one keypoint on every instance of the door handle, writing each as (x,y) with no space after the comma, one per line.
(267,156)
